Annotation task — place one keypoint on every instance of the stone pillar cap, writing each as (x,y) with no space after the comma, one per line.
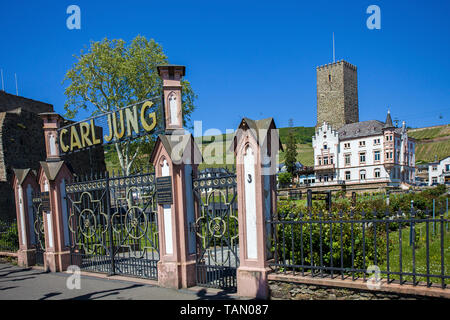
(171,67)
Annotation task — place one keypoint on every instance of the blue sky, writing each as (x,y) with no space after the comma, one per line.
(249,58)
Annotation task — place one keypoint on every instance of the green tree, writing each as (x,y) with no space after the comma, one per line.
(291,150)
(110,75)
(284,178)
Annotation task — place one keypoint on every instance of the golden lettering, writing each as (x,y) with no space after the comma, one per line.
(74,139)
(94,139)
(84,129)
(109,138)
(152,116)
(64,148)
(118,134)
(132,120)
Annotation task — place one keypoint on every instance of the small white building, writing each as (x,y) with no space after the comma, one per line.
(439,172)
(364,152)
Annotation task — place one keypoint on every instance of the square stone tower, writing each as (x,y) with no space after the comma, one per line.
(337,94)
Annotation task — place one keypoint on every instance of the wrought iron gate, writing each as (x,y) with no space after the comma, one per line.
(113,225)
(38,228)
(216,229)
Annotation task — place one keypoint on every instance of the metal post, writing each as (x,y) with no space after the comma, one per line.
(434,222)
(446,224)
(110,231)
(309,199)
(411,230)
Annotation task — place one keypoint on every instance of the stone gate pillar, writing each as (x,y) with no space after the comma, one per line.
(53,177)
(256,145)
(175,158)
(24,185)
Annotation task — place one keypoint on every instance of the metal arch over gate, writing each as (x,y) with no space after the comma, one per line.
(113,225)
(38,228)
(216,228)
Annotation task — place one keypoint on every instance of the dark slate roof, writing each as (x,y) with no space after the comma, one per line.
(171,141)
(388,123)
(21,174)
(51,169)
(10,102)
(255,126)
(362,129)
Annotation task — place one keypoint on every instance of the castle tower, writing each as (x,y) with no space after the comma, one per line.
(337,94)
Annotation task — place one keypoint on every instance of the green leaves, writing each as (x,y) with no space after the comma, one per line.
(112,74)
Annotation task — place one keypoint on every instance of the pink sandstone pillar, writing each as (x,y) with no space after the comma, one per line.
(256,146)
(175,157)
(53,177)
(24,185)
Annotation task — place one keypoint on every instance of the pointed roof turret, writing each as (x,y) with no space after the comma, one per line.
(388,123)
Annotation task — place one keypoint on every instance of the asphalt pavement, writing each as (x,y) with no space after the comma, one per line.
(18,283)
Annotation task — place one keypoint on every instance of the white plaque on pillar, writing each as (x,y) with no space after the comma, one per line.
(22,216)
(165,171)
(250,203)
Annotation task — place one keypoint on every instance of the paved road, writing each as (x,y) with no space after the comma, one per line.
(35,284)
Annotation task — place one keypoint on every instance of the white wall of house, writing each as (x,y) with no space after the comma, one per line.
(348,155)
(436,170)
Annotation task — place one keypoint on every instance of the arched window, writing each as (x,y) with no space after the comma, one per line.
(377,173)
(325,146)
(362,174)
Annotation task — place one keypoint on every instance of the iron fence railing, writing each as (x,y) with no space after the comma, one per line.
(412,247)
(9,237)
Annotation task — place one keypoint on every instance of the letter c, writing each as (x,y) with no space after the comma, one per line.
(64,148)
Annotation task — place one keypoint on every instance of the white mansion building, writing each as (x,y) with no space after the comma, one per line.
(364,153)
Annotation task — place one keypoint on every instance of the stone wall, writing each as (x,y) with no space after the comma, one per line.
(293,291)
(22,146)
(337,94)
(10,102)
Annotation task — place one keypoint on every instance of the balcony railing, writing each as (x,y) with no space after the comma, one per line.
(324,167)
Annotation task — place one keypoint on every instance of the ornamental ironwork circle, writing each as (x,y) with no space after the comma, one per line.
(217,227)
(135,227)
(87,223)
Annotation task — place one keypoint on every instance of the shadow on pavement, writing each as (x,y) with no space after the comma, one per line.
(222,295)
(108,293)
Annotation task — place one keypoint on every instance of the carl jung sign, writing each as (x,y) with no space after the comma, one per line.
(127,123)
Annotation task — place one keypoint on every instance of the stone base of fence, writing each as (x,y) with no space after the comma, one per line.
(176,275)
(8,254)
(26,258)
(56,261)
(252,282)
(359,285)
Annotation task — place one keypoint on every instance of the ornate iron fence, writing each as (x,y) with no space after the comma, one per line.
(411,247)
(38,232)
(216,228)
(9,237)
(113,224)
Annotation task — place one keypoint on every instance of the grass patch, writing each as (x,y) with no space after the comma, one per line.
(420,252)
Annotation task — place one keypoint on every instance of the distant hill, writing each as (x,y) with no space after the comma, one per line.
(431,142)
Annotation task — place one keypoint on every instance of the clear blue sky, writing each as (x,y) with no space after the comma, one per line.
(249,58)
